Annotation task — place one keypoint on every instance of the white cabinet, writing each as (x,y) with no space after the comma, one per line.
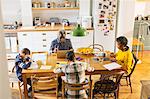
(41,41)
(36,41)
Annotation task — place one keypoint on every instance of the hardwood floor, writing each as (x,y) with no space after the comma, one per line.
(141,73)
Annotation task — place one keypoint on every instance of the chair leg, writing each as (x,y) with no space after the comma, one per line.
(19,89)
(115,95)
(12,84)
(130,84)
(127,81)
(63,90)
(90,92)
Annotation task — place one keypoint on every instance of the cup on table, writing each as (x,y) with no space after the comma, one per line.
(52,24)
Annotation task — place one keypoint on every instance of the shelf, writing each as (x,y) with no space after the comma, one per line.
(55,8)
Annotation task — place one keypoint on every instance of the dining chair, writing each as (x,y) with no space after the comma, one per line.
(77,87)
(97,47)
(45,86)
(128,76)
(108,85)
(13,79)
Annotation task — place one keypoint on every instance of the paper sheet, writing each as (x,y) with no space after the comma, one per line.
(45,67)
(112,66)
(61,63)
(33,66)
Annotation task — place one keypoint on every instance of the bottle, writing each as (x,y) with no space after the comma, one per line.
(48,5)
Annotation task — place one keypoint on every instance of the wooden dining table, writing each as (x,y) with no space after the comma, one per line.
(53,60)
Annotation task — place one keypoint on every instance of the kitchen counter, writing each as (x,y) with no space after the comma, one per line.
(40,28)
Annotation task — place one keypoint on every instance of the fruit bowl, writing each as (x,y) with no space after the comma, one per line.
(85,50)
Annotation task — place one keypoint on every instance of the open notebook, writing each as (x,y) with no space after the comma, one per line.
(45,67)
(112,66)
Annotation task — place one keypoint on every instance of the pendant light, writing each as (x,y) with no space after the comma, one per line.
(79,31)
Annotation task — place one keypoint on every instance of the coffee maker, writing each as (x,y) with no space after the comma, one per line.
(37,21)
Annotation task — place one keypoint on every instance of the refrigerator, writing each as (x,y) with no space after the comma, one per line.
(104,21)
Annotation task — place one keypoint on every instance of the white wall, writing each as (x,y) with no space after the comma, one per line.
(140,8)
(126,20)
(11,10)
(84,8)
(26,12)
(147,9)
(4,84)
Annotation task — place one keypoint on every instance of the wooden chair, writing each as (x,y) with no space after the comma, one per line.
(97,47)
(44,86)
(77,87)
(108,84)
(40,56)
(128,76)
(13,79)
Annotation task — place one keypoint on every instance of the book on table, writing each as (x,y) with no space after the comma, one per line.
(112,66)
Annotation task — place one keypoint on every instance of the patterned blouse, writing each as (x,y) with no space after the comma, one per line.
(74,73)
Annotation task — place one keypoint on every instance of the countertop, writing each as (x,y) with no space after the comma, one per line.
(40,28)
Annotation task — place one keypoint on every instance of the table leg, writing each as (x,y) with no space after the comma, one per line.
(25,86)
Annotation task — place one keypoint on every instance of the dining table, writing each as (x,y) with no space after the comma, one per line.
(52,60)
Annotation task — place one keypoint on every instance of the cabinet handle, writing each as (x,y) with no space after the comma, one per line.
(68,32)
(43,33)
(44,45)
(24,34)
(44,39)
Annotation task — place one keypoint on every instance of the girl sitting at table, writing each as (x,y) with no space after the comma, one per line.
(74,73)
(124,56)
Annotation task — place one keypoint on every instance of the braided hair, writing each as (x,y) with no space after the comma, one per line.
(123,41)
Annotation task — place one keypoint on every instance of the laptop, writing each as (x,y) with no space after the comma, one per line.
(62,53)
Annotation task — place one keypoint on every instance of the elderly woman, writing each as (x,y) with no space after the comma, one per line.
(61,42)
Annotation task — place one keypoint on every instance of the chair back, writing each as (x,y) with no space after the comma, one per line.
(46,84)
(77,87)
(114,76)
(108,83)
(97,47)
(134,64)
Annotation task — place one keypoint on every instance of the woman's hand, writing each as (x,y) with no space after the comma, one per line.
(113,59)
(112,55)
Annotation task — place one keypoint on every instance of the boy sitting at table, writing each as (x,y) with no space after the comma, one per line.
(23,61)
(74,73)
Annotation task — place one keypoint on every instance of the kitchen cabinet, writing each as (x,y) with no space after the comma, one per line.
(36,41)
(41,41)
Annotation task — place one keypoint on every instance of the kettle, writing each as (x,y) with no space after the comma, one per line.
(65,22)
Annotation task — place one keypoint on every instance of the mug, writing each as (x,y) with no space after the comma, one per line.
(101,54)
(52,24)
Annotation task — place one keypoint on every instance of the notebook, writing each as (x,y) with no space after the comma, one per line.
(45,67)
(112,66)
(62,53)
